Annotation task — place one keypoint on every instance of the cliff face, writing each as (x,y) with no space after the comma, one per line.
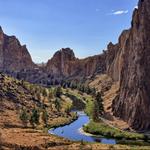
(60,63)
(133,102)
(13,56)
(64,63)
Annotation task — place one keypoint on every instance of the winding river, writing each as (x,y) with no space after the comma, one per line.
(74,131)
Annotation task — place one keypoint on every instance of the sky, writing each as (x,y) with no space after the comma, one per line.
(45,26)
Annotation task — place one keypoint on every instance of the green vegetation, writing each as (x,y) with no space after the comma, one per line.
(51,107)
(103,129)
(98,107)
(34,119)
(57,104)
(95,109)
(89,107)
(24,117)
(45,117)
(58,92)
(61,121)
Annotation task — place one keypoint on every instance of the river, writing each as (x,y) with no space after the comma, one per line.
(74,132)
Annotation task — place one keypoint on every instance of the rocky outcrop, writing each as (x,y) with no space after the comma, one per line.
(64,63)
(133,102)
(60,63)
(13,56)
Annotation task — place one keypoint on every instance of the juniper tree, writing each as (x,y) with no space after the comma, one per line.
(98,107)
(45,116)
(35,115)
(58,92)
(99,100)
(44,92)
(57,104)
(24,117)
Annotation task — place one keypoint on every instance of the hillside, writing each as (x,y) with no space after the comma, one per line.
(18,97)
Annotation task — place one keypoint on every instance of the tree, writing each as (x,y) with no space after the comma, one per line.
(93,91)
(98,107)
(50,95)
(24,117)
(58,92)
(44,92)
(57,104)
(100,103)
(88,90)
(45,116)
(38,96)
(34,120)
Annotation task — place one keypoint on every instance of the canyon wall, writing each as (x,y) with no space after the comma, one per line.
(13,56)
(64,63)
(133,102)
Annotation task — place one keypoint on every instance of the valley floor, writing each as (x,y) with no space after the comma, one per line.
(13,135)
(17,138)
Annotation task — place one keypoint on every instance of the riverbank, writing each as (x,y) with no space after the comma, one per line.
(101,128)
(62,121)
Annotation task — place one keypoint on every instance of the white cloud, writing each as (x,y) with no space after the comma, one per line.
(136,7)
(120,12)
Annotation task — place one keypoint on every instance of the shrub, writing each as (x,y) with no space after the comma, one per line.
(34,120)
(24,117)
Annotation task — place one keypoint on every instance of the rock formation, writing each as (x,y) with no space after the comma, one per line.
(13,56)
(133,102)
(64,63)
(60,63)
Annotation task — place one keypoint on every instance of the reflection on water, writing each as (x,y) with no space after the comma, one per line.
(72,131)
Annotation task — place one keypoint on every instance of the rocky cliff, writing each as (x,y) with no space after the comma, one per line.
(133,102)
(64,63)
(13,56)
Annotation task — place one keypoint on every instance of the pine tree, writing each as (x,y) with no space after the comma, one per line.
(45,116)
(24,117)
(44,92)
(100,103)
(57,104)
(95,112)
(98,107)
(34,120)
(58,92)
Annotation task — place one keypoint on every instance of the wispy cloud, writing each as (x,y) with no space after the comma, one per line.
(120,12)
(136,7)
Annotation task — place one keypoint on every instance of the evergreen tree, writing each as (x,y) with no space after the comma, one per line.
(57,104)
(44,92)
(98,107)
(34,120)
(58,92)
(38,96)
(45,116)
(24,117)
(93,91)
(100,103)
(50,95)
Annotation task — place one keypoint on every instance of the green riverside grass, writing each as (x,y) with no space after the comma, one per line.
(101,128)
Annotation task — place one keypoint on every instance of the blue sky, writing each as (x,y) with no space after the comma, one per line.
(45,26)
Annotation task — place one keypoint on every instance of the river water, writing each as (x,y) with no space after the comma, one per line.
(73,131)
